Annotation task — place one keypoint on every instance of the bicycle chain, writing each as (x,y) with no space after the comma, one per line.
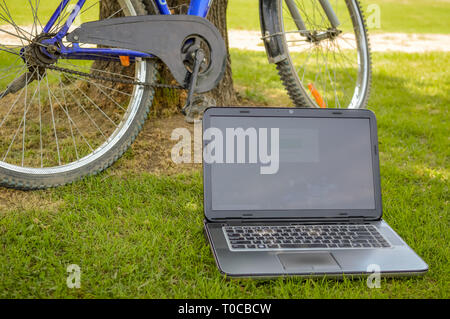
(110,79)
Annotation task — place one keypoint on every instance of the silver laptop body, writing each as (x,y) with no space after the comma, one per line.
(296,192)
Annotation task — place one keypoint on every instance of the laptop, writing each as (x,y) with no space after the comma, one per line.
(296,192)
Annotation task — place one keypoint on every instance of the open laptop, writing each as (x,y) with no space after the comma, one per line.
(291,191)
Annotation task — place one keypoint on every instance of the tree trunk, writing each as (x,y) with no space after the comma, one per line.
(170,101)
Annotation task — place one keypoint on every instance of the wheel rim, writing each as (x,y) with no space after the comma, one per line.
(338,68)
(62,126)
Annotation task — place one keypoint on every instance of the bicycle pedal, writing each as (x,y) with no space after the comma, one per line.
(198,106)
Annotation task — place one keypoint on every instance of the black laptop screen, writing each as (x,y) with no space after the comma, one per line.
(289,163)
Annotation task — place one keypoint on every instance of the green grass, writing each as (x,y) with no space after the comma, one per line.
(141,235)
(21,12)
(409,16)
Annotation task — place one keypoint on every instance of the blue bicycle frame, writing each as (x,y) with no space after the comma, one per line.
(197,8)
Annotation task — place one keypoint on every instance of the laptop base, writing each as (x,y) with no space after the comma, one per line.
(398,260)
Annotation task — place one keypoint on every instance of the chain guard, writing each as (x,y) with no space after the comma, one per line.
(162,36)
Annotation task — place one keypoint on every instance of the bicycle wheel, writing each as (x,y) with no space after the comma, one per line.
(55,126)
(325,66)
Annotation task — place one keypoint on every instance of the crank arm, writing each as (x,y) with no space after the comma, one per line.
(198,60)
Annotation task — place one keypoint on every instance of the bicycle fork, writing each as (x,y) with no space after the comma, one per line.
(327,8)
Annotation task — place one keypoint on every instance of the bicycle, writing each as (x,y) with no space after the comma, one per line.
(74,98)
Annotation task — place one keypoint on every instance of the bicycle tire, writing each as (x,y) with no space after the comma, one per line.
(291,79)
(31,180)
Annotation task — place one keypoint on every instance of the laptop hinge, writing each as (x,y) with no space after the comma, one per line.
(351,220)
(234,222)
(358,220)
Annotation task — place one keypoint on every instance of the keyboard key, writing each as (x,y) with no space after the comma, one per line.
(234,235)
(241,242)
(298,246)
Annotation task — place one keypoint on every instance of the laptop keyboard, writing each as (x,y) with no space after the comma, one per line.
(304,237)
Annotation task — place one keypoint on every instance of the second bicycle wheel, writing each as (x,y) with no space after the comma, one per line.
(324,66)
(57,126)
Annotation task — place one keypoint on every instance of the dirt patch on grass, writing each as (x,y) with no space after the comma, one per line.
(11,200)
(151,152)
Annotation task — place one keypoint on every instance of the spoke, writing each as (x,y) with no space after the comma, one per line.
(306,66)
(15,35)
(24,123)
(35,18)
(74,124)
(2,17)
(62,16)
(12,142)
(101,111)
(8,74)
(2,48)
(335,67)
(12,22)
(36,8)
(98,70)
(40,122)
(302,41)
(25,107)
(348,41)
(326,72)
(53,117)
(67,113)
(114,14)
(90,7)
(15,135)
(350,63)
(100,85)
(107,95)
(12,106)
(352,79)
(12,66)
(317,63)
(89,116)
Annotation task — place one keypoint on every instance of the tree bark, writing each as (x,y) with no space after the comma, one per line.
(170,101)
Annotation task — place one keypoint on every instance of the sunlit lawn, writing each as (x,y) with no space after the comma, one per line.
(396,16)
(409,16)
(140,235)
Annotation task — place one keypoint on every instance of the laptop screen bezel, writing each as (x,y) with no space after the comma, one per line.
(295,214)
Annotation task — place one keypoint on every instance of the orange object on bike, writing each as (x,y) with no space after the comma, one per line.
(125,60)
(317,96)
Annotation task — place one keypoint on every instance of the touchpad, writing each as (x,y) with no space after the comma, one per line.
(308,261)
